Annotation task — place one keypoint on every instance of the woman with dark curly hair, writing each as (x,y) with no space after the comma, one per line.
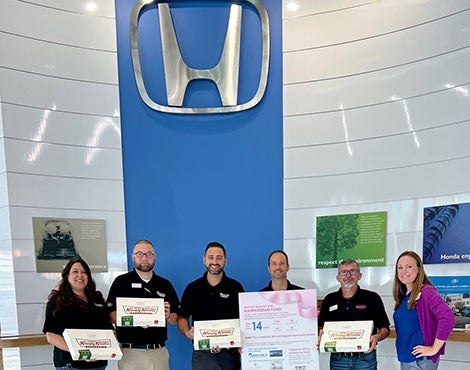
(423,320)
(75,304)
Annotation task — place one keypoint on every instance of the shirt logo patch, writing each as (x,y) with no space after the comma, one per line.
(361,307)
(222,295)
(136,285)
(163,295)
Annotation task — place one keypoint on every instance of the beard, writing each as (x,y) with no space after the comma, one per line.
(146,268)
(214,272)
(348,284)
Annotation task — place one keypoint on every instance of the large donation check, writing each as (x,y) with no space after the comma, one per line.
(86,344)
(140,312)
(212,333)
(279,330)
(346,336)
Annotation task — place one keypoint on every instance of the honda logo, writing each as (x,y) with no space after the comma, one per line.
(225,74)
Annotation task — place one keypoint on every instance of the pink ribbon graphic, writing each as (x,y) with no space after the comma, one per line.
(284,297)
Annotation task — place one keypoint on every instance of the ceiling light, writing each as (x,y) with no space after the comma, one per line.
(292,6)
(91,7)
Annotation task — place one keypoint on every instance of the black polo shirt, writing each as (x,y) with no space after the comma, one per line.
(132,286)
(290,286)
(202,301)
(91,315)
(364,305)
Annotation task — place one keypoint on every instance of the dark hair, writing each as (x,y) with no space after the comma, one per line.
(215,245)
(278,251)
(399,289)
(64,295)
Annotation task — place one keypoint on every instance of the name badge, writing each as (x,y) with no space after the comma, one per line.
(136,285)
(333,308)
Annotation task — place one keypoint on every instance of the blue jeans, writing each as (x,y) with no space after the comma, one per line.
(422,364)
(224,360)
(360,362)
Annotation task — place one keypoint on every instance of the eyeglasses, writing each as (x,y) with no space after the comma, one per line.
(350,272)
(146,254)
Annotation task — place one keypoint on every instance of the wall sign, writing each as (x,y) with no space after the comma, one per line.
(57,240)
(178,74)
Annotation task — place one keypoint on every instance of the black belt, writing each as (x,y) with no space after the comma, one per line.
(142,346)
(350,354)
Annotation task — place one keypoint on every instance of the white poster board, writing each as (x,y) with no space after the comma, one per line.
(279,330)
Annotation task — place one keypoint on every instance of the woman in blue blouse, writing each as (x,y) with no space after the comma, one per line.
(423,320)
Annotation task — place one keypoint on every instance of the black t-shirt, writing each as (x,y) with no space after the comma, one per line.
(364,305)
(269,287)
(202,301)
(132,286)
(91,315)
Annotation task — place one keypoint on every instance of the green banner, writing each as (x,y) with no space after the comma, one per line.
(358,236)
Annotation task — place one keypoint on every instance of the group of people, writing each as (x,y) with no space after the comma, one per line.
(423,321)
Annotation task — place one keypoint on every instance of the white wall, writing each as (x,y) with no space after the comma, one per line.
(376,118)
(60,148)
(376,106)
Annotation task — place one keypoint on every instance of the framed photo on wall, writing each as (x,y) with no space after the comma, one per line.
(57,240)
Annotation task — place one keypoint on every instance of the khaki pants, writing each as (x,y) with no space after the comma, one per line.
(144,359)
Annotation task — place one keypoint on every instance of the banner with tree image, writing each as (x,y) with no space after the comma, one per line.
(359,236)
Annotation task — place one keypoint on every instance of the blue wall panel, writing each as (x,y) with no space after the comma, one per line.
(191,179)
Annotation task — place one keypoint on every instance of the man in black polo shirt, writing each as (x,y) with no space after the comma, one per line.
(351,303)
(278,265)
(214,296)
(143,348)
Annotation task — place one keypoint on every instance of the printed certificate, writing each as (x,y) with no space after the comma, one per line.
(222,333)
(140,312)
(346,336)
(279,330)
(87,344)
